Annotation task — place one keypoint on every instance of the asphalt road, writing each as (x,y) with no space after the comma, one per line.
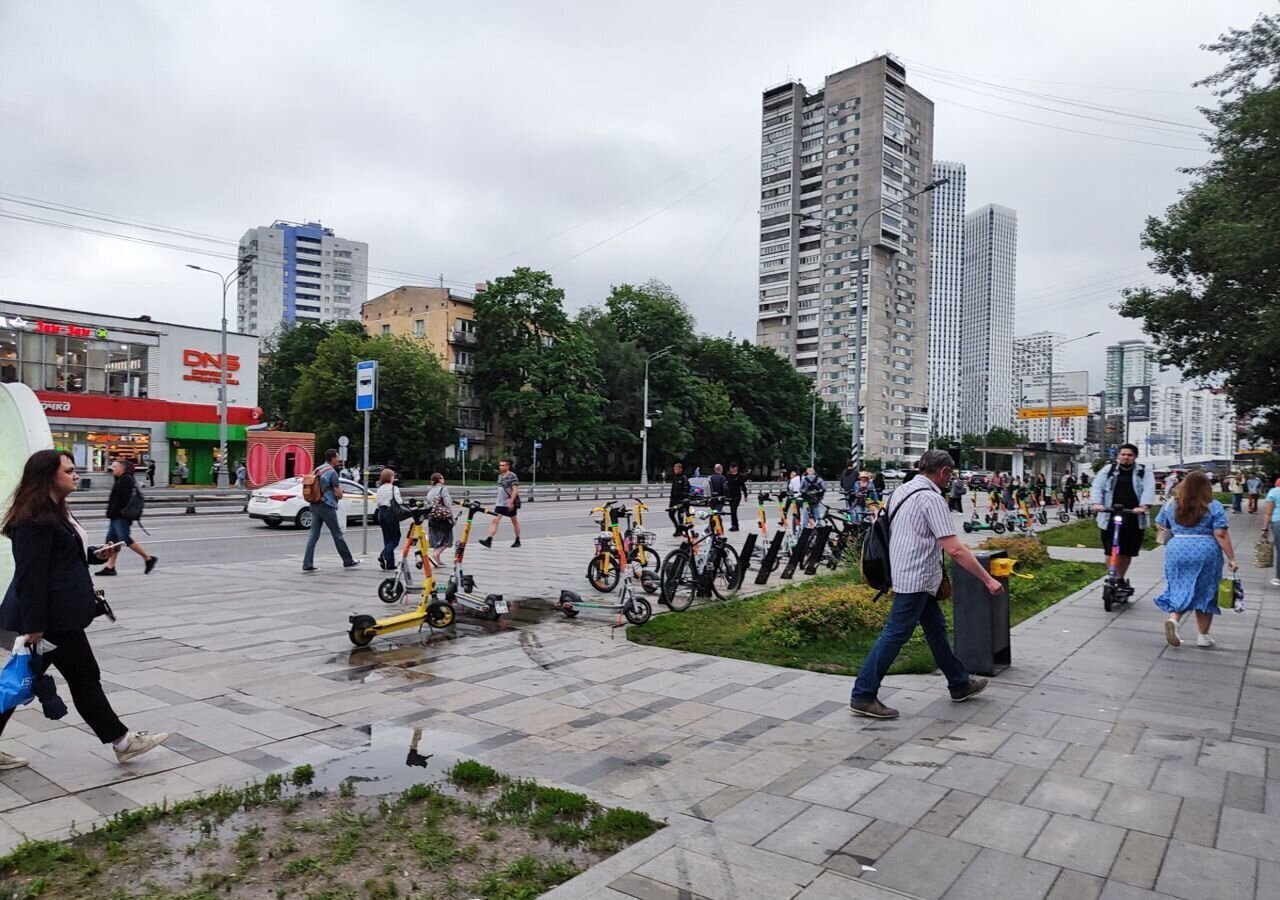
(203,539)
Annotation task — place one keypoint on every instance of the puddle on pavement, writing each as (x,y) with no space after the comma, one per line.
(396,758)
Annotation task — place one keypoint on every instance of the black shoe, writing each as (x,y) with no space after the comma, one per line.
(677,533)
(486,542)
(351,565)
(516,542)
(734,528)
(104,572)
(975,686)
(872,709)
(150,564)
(309,570)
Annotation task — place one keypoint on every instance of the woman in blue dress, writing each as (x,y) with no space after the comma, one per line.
(1193,557)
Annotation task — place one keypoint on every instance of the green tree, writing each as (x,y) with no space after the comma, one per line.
(536,369)
(651,315)
(414,421)
(1002,437)
(288,353)
(1220,319)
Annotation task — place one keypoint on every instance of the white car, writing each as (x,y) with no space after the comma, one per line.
(282,502)
(893,473)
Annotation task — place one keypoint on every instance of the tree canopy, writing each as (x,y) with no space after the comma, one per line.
(1220,319)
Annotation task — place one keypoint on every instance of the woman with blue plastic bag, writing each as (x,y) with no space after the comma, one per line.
(1193,557)
(52,597)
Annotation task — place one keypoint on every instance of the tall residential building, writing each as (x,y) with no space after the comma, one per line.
(444,320)
(301,273)
(1129,364)
(1031,356)
(946,298)
(990,280)
(831,161)
(1190,423)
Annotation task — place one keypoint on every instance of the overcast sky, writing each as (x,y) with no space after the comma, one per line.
(465,139)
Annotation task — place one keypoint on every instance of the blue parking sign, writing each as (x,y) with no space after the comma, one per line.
(462,443)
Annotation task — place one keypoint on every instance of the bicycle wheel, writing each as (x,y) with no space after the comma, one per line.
(601,579)
(724,578)
(678,587)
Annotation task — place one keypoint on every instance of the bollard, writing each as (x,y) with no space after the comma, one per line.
(578,492)
(557,492)
(191,504)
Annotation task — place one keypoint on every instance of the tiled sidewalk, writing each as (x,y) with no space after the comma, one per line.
(1103,764)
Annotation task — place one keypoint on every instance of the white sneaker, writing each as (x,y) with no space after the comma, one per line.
(1275,582)
(1171,633)
(1203,640)
(139,743)
(9,761)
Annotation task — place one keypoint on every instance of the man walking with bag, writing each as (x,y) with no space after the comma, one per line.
(918,538)
(323,489)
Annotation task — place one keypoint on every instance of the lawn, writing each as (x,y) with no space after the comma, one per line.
(1085,532)
(475,834)
(829,623)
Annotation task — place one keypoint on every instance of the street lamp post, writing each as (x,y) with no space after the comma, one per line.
(644,419)
(855,428)
(226,280)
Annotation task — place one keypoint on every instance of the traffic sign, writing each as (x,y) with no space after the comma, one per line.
(537,445)
(462,443)
(367,385)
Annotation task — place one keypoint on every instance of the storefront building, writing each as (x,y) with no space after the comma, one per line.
(126,388)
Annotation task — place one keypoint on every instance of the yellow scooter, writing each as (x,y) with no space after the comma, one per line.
(434,611)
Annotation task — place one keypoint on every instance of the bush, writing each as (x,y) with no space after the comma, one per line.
(804,617)
(1030,553)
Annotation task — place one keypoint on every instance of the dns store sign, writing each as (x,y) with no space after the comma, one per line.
(207,367)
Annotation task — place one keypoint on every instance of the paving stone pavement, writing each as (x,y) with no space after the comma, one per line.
(1103,764)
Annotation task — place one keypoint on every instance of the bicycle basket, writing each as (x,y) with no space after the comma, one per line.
(645,538)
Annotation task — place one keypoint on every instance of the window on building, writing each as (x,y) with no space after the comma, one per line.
(386,329)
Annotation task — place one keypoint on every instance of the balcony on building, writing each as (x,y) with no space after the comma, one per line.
(461,368)
(458,336)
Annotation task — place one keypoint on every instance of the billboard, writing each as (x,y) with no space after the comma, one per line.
(1137,403)
(1070,395)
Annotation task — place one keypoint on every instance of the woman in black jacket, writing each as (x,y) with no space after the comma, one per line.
(52,597)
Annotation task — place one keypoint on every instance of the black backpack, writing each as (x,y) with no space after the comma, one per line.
(133,507)
(877,572)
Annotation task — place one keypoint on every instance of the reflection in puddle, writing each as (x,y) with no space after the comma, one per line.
(384,767)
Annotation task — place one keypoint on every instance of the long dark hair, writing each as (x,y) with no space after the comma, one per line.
(32,499)
(1193,495)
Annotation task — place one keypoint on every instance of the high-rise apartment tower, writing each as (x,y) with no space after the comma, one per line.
(1129,364)
(835,162)
(300,273)
(946,299)
(990,280)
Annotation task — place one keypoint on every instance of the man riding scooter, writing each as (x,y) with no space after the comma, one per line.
(1125,484)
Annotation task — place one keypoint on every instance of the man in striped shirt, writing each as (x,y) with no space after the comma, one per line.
(922,531)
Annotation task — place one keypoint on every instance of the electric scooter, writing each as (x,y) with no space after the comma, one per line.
(432,610)
(461,586)
(1114,590)
(629,603)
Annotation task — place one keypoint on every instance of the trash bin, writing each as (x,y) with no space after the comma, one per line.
(85,483)
(980,619)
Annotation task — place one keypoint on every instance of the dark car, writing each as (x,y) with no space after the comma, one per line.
(978,480)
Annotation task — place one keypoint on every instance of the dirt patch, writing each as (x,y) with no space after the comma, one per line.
(474,834)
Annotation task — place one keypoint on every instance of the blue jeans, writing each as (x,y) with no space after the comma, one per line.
(390,526)
(322,514)
(806,513)
(908,611)
(1237,502)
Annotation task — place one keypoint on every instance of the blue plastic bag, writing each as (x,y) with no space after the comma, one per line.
(17,678)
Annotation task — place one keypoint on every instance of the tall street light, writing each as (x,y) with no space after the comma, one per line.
(226,280)
(855,428)
(644,420)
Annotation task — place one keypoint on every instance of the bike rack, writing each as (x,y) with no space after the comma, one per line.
(797,553)
(819,545)
(770,558)
(744,560)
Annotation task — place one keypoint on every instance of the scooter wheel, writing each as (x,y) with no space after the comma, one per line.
(649,581)
(638,612)
(997,527)
(569,611)
(1064,516)
(968,527)
(1108,597)
(439,615)
(360,632)
(390,590)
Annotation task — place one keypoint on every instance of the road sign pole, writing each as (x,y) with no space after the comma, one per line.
(364,484)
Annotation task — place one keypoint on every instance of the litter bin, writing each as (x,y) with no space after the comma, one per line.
(980,619)
(85,483)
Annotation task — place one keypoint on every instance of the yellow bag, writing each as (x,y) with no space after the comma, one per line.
(1226,593)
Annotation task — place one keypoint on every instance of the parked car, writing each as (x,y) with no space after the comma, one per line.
(893,473)
(282,502)
(978,480)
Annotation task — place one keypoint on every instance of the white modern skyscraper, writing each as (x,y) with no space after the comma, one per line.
(1129,364)
(946,299)
(1031,356)
(834,161)
(1189,423)
(990,281)
(302,273)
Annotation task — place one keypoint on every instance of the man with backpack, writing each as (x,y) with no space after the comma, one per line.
(812,490)
(322,489)
(1126,484)
(903,552)
(124,507)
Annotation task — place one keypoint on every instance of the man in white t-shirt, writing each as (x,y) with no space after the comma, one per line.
(922,532)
